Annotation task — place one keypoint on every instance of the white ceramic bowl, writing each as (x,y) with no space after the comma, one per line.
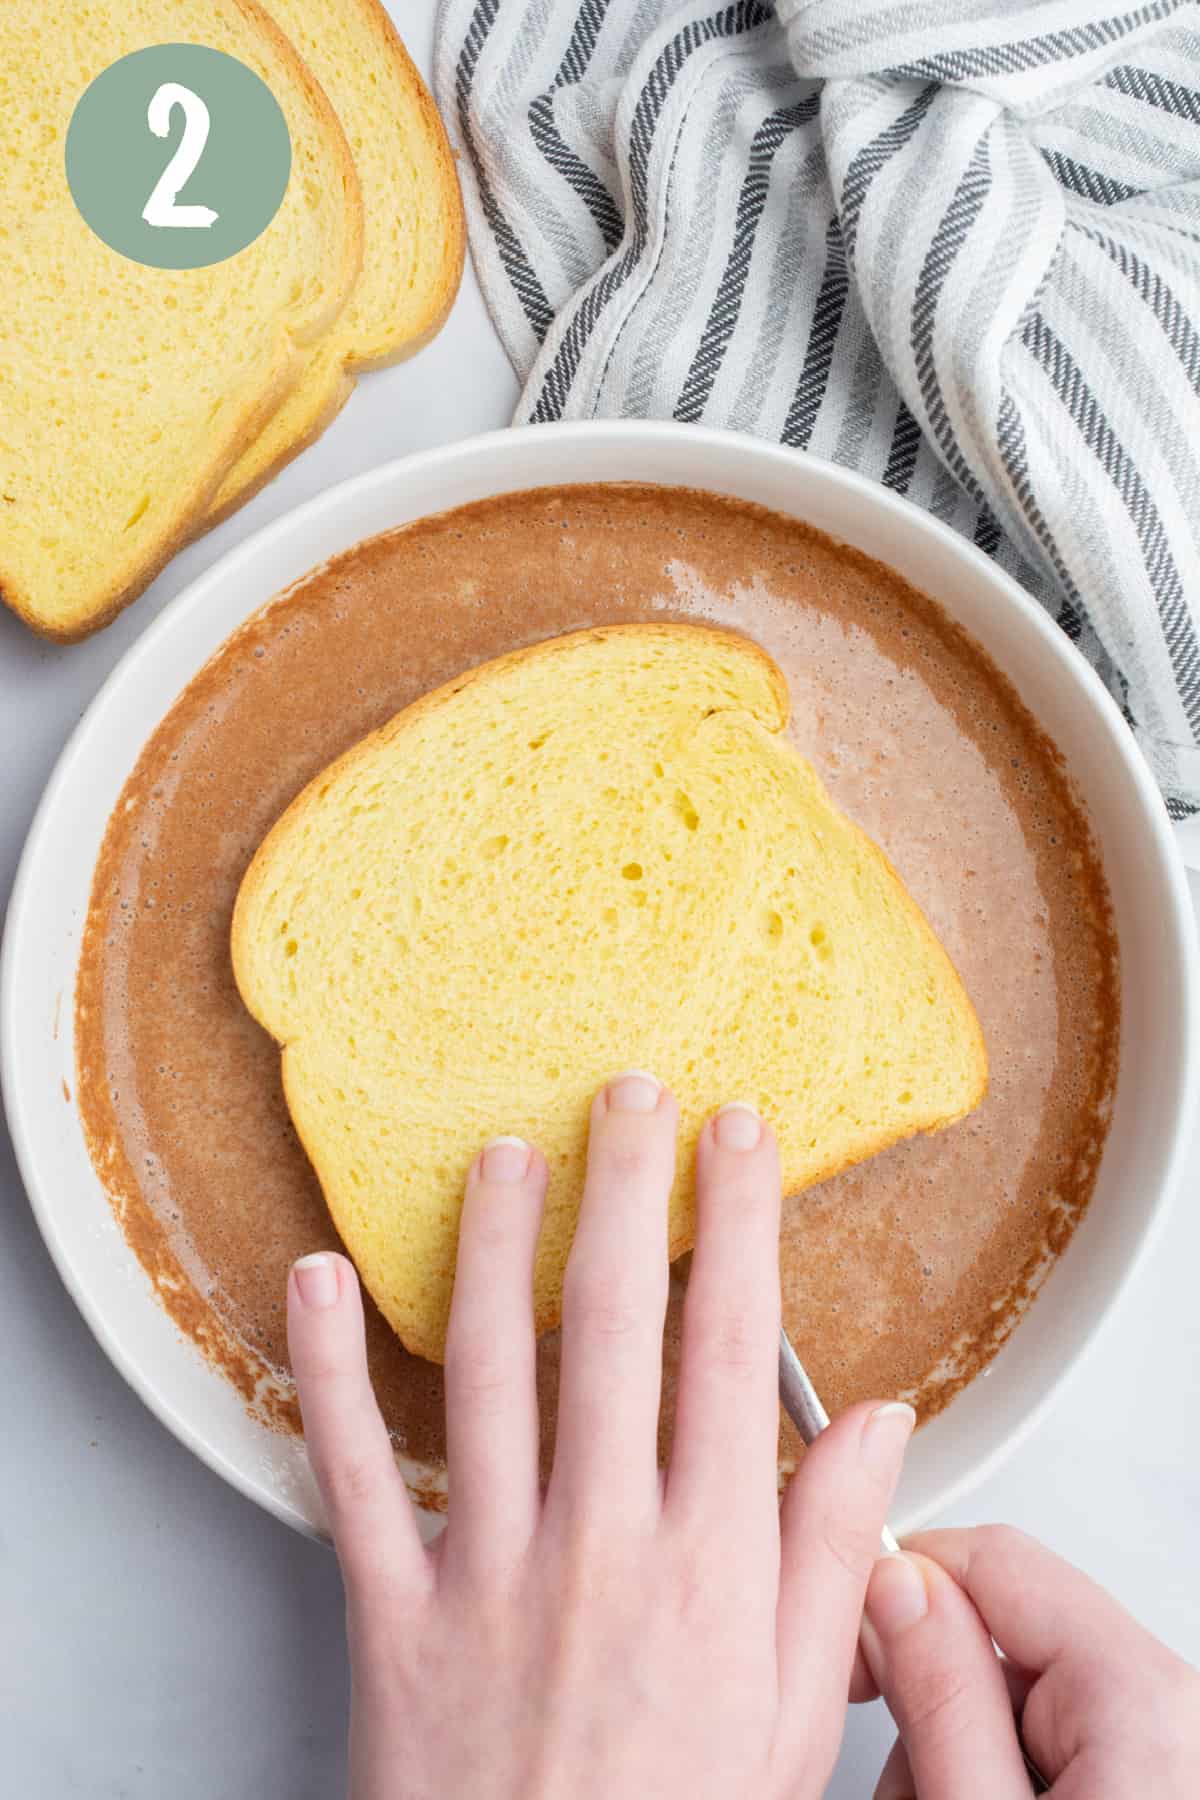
(1154,920)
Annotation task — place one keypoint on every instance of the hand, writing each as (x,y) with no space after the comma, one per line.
(627,1632)
(1107,1712)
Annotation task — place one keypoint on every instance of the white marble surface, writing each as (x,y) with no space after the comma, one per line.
(158,1635)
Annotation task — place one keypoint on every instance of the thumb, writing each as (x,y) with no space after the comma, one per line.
(934,1663)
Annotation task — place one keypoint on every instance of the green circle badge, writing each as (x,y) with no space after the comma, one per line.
(178,156)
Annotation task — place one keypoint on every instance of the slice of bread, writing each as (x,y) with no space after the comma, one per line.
(414,231)
(126,392)
(595,854)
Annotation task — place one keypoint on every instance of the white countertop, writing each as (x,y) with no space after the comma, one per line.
(161,1637)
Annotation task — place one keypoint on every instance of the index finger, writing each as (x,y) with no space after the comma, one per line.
(1037,1607)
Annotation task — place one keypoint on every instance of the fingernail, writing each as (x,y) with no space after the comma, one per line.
(316,1280)
(897,1599)
(896,1595)
(737,1126)
(634,1092)
(885,1435)
(505,1160)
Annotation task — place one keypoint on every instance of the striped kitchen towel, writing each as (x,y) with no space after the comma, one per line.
(956,246)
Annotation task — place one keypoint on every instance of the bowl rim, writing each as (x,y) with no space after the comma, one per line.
(422,463)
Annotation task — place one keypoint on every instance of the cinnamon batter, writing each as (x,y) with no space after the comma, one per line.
(901,1277)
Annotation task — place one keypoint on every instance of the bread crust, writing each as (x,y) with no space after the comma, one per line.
(130,578)
(400,345)
(363,350)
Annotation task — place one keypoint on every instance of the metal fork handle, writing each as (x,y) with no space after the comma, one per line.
(802,1404)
